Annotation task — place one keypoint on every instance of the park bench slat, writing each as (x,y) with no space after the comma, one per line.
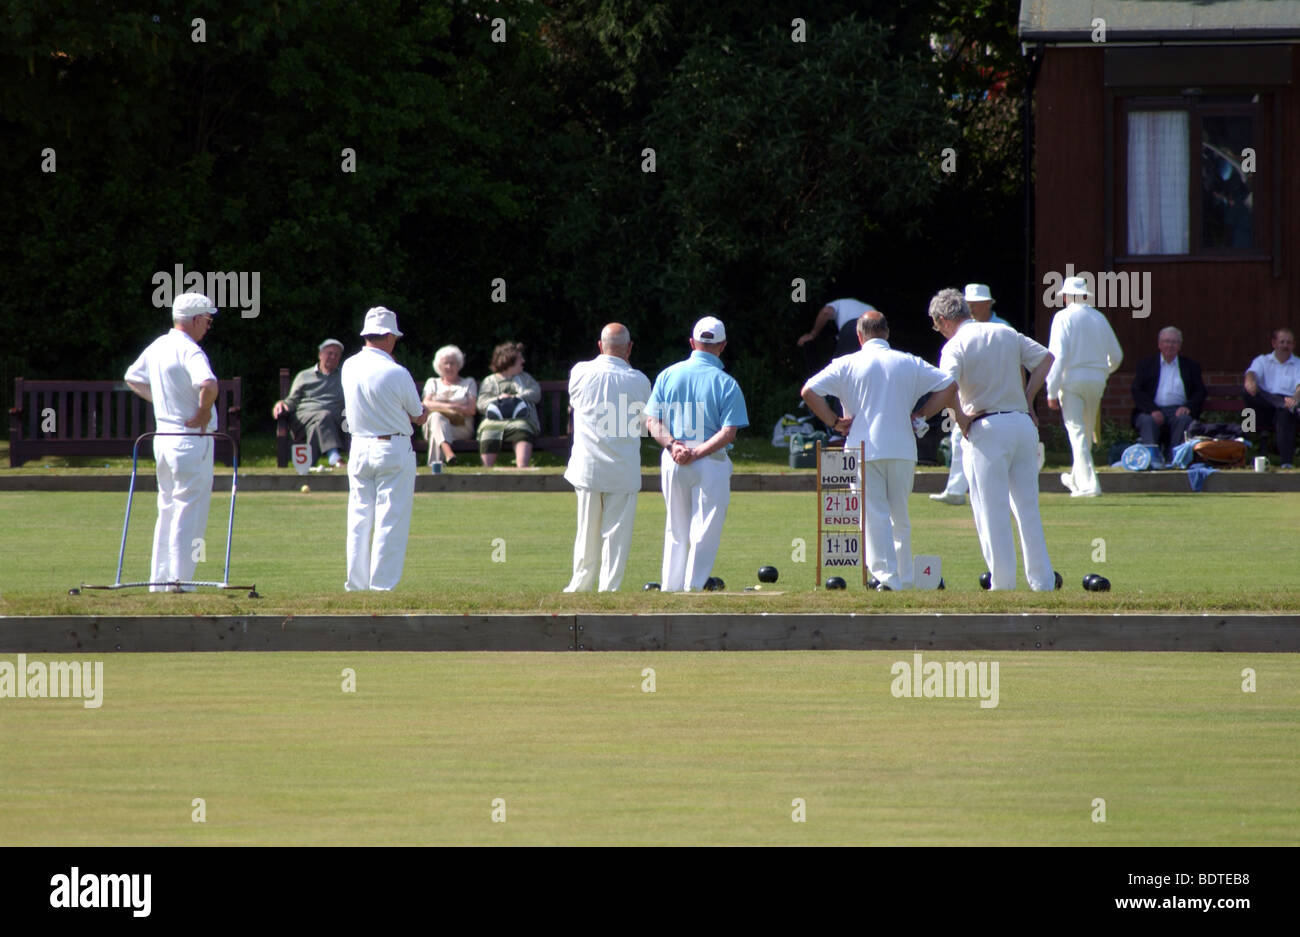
(84,413)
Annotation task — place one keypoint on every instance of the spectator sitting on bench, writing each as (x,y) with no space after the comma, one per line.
(507,400)
(450,400)
(1168,394)
(315,406)
(1272,387)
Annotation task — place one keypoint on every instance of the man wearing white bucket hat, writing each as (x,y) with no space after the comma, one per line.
(1086,354)
(174,374)
(382,402)
(980,300)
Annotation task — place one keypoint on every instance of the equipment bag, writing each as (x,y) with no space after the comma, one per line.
(1221,453)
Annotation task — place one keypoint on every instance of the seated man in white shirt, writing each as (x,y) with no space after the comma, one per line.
(1272,389)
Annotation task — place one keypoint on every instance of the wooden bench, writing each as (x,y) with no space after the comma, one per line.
(552,414)
(98,418)
(1226,399)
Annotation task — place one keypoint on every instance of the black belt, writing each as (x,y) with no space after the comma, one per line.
(389,436)
(980,416)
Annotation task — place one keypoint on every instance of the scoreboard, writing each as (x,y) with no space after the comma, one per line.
(839,511)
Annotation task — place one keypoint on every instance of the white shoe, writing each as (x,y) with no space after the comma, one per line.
(1068,481)
(948,499)
(1086,494)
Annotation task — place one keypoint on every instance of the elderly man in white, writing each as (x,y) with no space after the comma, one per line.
(382,403)
(1086,354)
(1272,385)
(878,387)
(174,374)
(980,300)
(608,397)
(1000,435)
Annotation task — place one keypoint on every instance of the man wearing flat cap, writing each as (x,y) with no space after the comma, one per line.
(382,402)
(173,374)
(315,405)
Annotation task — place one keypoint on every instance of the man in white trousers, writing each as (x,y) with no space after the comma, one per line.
(878,387)
(382,402)
(1087,353)
(1000,434)
(608,397)
(694,412)
(980,300)
(174,374)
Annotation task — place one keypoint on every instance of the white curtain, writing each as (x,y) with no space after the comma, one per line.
(1158,164)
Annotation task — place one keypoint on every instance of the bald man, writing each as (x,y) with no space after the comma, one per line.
(608,397)
(878,387)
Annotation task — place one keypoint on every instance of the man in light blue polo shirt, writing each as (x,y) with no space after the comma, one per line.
(694,411)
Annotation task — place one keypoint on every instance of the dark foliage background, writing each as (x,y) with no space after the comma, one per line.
(775,160)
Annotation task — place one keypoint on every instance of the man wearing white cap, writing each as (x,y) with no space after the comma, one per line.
(694,412)
(608,397)
(315,405)
(1000,435)
(980,300)
(877,387)
(1086,354)
(382,402)
(174,374)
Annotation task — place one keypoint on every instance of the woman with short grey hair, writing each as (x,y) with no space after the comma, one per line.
(452,401)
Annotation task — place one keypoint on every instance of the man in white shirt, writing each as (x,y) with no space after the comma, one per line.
(878,387)
(1273,389)
(843,311)
(608,397)
(1000,435)
(980,300)
(174,374)
(382,403)
(1086,354)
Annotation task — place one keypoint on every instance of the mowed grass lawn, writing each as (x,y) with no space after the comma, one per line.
(513,552)
(580,754)
(716,755)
